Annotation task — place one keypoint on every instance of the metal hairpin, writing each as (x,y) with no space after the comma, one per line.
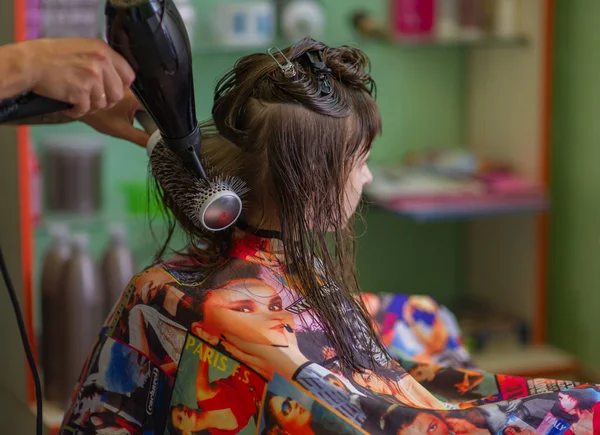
(288,69)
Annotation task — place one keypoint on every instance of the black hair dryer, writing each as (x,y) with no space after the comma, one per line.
(151,36)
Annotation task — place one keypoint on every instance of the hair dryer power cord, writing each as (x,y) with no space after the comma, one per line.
(26,345)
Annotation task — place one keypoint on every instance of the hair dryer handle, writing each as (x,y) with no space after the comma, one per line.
(28,105)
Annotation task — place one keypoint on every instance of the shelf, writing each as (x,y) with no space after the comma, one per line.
(527,361)
(485,42)
(463,207)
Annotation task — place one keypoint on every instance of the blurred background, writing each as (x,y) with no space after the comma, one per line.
(485,193)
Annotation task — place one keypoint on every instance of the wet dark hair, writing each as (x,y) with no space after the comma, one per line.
(295,148)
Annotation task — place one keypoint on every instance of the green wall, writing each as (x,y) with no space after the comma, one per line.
(421,99)
(575,227)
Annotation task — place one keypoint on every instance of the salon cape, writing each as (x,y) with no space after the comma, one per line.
(243,319)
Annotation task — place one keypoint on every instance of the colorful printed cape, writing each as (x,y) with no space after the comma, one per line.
(192,349)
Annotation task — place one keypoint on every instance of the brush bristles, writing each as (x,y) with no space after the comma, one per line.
(185,189)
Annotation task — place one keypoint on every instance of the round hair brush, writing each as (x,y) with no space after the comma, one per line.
(195,197)
(151,36)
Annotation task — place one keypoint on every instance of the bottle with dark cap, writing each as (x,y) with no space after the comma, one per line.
(117,267)
(52,340)
(82,310)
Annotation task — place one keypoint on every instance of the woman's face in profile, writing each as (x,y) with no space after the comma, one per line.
(184,419)
(425,423)
(250,310)
(290,415)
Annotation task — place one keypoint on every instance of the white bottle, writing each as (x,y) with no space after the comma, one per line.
(117,267)
(506,18)
(303,18)
(447,22)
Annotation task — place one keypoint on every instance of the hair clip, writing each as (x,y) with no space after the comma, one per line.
(287,68)
(315,57)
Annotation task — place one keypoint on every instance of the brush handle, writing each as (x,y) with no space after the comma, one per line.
(146,121)
(28,105)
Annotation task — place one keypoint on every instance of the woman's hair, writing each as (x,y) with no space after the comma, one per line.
(295,146)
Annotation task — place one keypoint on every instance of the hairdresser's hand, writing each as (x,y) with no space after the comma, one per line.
(118,121)
(84,72)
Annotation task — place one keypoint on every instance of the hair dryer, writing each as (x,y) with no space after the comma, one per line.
(151,36)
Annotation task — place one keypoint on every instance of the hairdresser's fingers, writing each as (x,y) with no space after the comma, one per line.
(133,134)
(97,97)
(131,106)
(118,121)
(113,85)
(80,99)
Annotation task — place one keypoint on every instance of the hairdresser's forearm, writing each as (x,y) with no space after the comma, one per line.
(16,76)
